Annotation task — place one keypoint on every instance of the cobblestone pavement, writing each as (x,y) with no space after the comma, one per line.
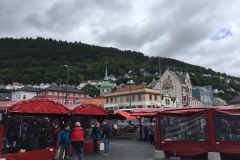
(125,149)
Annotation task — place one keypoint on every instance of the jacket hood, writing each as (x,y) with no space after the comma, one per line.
(77,128)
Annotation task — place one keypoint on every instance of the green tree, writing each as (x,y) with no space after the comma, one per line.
(91,90)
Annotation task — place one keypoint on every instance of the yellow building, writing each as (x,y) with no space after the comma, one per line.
(136,96)
(195,102)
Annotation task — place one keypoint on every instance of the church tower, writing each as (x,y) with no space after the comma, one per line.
(105,87)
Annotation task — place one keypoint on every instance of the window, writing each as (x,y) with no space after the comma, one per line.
(55,93)
(54,99)
(139,106)
(184,99)
(227,127)
(189,99)
(167,101)
(188,128)
(18,96)
(76,95)
(127,98)
(70,101)
(139,97)
(121,107)
(115,99)
(162,97)
(60,101)
(121,99)
(71,94)
(150,97)
(82,95)
(41,128)
(106,100)
(133,97)
(149,106)
(64,102)
(24,96)
(49,92)
(60,93)
(111,100)
(155,97)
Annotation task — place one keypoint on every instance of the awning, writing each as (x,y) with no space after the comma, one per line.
(35,105)
(121,115)
(87,109)
(145,112)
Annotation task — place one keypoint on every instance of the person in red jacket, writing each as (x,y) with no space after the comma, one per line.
(77,137)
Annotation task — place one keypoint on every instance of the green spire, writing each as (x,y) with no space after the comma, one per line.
(106,77)
(106,83)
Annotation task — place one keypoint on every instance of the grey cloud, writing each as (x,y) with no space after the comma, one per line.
(177,29)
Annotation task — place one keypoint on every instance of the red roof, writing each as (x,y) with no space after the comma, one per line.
(132,88)
(195,99)
(87,109)
(34,106)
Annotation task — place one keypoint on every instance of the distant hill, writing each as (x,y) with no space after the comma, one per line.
(28,60)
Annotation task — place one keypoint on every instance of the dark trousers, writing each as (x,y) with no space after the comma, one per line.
(145,136)
(94,146)
(152,140)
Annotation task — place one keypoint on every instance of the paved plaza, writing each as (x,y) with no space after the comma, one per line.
(125,149)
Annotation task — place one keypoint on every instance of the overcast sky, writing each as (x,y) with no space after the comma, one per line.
(200,32)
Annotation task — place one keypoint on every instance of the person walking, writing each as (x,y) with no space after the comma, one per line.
(152,133)
(145,133)
(106,134)
(77,137)
(65,142)
(96,135)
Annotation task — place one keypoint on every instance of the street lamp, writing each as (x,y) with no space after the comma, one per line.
(67,84)
(130,82)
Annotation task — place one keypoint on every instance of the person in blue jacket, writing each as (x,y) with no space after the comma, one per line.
(65,142)
(96,135)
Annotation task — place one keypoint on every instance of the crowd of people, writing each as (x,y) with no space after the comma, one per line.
(28,134)
(77,136)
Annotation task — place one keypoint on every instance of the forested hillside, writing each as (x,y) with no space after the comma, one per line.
(40,60)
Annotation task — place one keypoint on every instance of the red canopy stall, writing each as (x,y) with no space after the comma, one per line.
(195,132)
(87,115)
(121,115)
(36,119)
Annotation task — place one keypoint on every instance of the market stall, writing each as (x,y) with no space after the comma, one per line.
(87,115)
(29,129)
(199,132)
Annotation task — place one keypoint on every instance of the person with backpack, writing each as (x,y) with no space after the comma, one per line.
(78,137)
(65,142)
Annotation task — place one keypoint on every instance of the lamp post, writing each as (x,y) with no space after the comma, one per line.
(66,98)
(130,82)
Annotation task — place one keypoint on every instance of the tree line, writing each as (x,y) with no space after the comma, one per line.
(42,60)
